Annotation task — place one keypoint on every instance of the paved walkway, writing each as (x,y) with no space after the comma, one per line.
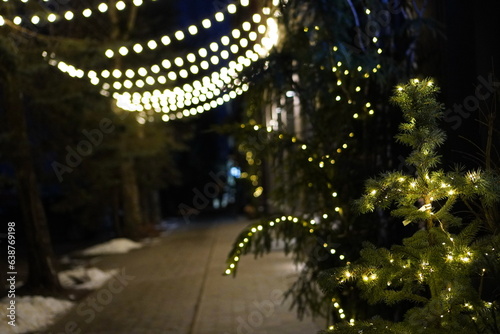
(176,286)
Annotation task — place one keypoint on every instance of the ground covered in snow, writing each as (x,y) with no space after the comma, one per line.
(34,313)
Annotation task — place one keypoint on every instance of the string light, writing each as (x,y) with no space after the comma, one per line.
(193,30)
(43,17)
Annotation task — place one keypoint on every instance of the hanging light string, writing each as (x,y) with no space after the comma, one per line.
(190,64)
(199,96)
(69,15)
(179,35)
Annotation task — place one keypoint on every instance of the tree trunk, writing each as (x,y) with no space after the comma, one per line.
(131,203)
(42,268)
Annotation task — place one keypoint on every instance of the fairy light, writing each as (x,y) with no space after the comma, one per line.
(251,231)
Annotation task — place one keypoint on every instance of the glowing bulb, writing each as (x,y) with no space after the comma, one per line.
(256,18)
(165,40)
(137,48)
(166,63)
(179,35)
(236,33)
(152,44)
(155,69)
(214,46)
(206,23)
(120,5)
(142,71)
(219,17)
(102,7)
(178,61)
(123,51)
(203,52)
(117,73)
(231,8)
(35,20)
(87,12)
(193,30)
(69,15)
(51,17)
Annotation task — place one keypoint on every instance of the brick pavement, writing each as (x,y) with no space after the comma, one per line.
(176,286)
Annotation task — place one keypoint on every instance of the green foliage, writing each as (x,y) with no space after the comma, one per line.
(315,126)
(441,273)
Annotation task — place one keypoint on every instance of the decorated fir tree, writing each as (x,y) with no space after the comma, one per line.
(314,126)
(444,277)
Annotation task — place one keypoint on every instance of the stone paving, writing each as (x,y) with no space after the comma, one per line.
(176,286)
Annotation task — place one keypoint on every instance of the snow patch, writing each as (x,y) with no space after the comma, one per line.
(33,313)
(85,278)
(115,246)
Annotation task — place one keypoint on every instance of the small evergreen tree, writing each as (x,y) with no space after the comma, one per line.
(444,267)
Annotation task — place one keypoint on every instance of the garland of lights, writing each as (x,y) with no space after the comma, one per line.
(69,15)
(179,35)
(238,43)
(242,247)
(203,96)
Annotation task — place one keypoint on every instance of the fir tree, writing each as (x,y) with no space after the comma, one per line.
(305,163)
(442,268)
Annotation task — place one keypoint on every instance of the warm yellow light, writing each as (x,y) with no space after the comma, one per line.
(166,63)
(231,8)
(102,7)
(51,17)
(120,5)
(35,20)
(152,44)
(206,23)
(246,26)
(165,40)
(117,73)
(193,30)
(214,46)
(219,17)
(137,48)
(178,61)
(142,71)
(123,51)
(203,52)
(179,35)
(256,18)
(155,69)
(69,15)
(87,12)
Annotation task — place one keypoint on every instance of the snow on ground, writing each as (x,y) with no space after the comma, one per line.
(85,278)
(33,313)
(36,313)
(114,246)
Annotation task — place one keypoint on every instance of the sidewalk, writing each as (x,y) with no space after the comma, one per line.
(176,286)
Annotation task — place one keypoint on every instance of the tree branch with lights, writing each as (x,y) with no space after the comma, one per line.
(437,275)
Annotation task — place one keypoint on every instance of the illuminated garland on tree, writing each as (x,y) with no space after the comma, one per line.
(433,259)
